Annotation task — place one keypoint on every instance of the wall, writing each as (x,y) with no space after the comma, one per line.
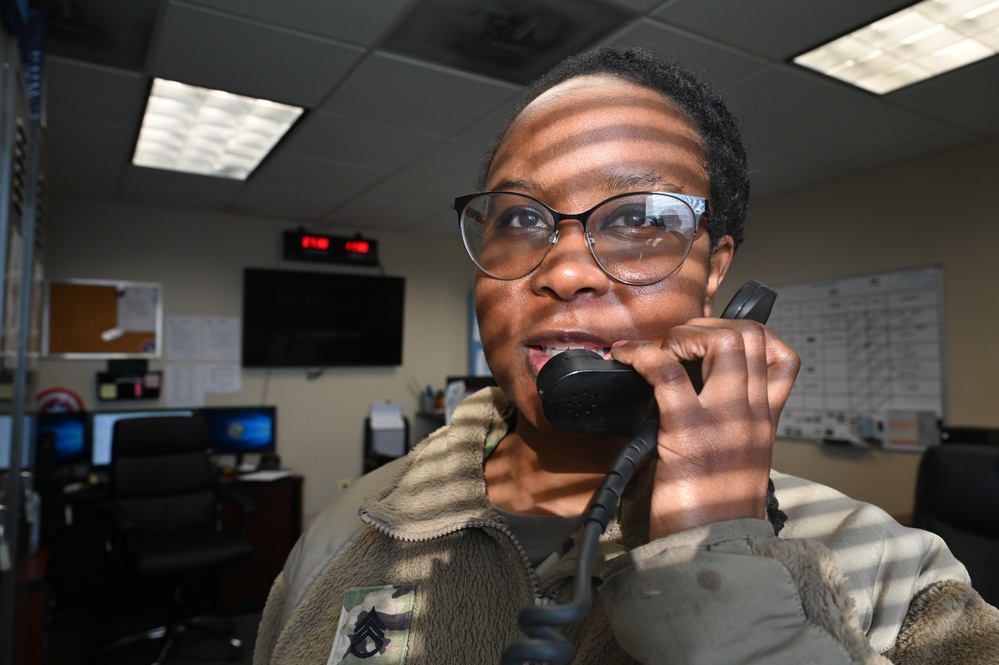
(199,259)
(937,210)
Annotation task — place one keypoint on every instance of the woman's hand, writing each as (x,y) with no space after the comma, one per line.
(715,448)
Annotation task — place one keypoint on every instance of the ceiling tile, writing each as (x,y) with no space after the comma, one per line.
(720,64)
(378,213)
(215,50)
(967,98)
(404,93)
(285,168)
(358,142)
(511,41)
(486,130)
(436,178)
(93,93)
(870,128)
(287,201)
(781,98)
(86,159)
(353,22)
(777,29)
(443,223)
(168,188)
(772,173)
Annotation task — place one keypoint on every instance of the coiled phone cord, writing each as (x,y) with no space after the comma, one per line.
(544,644)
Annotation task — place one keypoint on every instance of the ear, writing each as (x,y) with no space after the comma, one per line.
(721,259)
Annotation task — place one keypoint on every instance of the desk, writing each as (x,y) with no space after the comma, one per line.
(80,572)
(272,530)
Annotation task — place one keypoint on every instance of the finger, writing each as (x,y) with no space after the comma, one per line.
(772,365)
(722,350)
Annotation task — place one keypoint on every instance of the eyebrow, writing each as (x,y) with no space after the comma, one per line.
(624,183)
(643,180)
(516,184)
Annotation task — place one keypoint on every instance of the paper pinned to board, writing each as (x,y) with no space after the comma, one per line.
(388,429)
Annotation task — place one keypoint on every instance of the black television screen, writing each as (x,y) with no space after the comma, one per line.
(241,429)
(321,319)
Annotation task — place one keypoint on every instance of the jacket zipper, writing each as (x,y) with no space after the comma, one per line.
(530,574)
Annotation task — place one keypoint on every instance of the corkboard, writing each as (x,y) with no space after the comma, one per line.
(103,319)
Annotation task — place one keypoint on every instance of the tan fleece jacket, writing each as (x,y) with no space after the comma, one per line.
(413,565)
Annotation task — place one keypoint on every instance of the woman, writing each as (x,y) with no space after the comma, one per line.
(483,517)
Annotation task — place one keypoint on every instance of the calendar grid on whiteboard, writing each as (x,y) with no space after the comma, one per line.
(869,345)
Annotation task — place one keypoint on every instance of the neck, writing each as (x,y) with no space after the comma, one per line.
(547,472)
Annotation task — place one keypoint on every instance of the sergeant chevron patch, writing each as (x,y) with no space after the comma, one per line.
(374,625)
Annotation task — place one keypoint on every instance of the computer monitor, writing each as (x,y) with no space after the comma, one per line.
(68,431)
(7,435)
(241,429)
(102,429)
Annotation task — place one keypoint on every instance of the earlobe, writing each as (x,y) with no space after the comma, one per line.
(721,259)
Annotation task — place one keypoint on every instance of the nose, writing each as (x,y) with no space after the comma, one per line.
(569,269)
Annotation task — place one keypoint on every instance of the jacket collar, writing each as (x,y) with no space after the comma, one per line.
(441,486)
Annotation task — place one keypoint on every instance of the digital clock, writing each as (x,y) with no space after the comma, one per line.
(302,246)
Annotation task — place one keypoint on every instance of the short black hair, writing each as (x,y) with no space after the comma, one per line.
(725,151)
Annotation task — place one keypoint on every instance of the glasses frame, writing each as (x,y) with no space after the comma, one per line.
(698,206)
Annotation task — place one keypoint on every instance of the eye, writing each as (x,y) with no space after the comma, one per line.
(521,217)
(640,216)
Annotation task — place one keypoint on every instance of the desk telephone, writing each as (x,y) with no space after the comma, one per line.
(582,392)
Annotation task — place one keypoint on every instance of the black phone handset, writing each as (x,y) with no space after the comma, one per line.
(582,392)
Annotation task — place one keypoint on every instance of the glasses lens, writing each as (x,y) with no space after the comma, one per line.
(506,235)
(642,238)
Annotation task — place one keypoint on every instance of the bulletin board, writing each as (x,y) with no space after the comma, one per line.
(102,319)
(872,356)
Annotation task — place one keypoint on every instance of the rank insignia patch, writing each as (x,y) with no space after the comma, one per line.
(374,625)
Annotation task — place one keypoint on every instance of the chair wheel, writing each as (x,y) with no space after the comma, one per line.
(235,648)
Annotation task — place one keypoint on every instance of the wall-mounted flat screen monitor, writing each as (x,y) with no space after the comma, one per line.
(102,429)
(69,444)
(321,319)
(242,429)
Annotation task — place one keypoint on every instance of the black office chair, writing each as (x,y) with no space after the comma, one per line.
(164,518)
(986,436)
(957,497)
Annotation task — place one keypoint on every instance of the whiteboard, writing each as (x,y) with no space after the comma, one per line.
(871,347)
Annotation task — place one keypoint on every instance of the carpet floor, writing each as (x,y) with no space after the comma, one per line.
(76,636)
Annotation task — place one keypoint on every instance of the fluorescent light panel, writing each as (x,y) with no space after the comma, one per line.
(209,132)
(917,43)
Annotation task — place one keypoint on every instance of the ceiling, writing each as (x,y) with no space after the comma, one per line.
(399,112)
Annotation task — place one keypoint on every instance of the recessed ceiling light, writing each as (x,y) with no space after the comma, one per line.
(209,132)
(916,43)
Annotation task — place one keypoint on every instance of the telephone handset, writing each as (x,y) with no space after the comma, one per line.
(582,392)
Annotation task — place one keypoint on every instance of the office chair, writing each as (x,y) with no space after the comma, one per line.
(164,517)
(957,497)
(987,436)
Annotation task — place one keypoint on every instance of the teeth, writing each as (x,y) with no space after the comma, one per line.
(559,348)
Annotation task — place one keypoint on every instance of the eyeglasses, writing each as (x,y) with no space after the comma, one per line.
(638,238)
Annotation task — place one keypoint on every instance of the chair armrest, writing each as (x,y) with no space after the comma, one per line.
(244,505)
(118,524)
(119,519)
